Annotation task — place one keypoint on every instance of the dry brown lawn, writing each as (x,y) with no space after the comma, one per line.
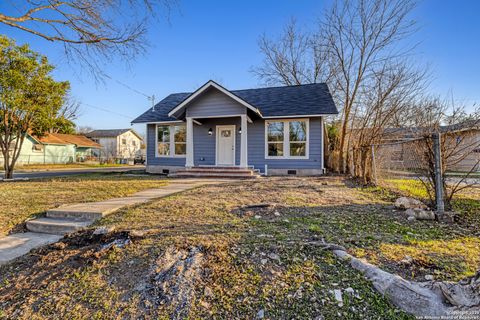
(256,259)
(26,199)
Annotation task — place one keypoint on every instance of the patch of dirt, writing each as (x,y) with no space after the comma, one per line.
(173,280)
(77,249)
(48,264)
(89,243)
(262,209)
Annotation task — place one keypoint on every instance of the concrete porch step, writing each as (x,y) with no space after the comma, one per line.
(207,175)
(56,225)
(239,171)
(212,174)
(207,171)
(219,168)
(216,172)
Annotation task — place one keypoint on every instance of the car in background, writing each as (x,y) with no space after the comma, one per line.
(139,160)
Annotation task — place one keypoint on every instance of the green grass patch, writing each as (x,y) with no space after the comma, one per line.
(412,187)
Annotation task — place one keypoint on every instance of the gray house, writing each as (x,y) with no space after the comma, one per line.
(275,131)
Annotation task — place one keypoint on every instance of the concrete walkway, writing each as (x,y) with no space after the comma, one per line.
(69,218)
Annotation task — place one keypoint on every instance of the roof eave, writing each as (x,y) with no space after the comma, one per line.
(301,116)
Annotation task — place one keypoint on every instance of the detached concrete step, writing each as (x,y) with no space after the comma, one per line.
(74,215)
(56,226)
(96,210)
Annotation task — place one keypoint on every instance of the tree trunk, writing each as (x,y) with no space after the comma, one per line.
(11,160)
(341,157)
(8,173)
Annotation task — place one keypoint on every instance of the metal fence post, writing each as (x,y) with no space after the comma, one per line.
(374,166)
(437,150)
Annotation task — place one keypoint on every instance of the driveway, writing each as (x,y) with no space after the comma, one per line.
(69,172)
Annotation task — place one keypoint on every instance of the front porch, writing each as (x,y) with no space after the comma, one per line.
(217,142)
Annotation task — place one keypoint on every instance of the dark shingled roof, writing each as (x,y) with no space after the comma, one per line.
(106,133)
(307,99)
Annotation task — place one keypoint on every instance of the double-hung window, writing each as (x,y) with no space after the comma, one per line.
(180,140)
(286,139)
(171,141)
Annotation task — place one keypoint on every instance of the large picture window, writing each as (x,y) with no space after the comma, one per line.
(171,140)
(286,139)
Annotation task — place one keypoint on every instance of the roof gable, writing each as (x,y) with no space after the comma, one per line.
(65,139)
(109,133)
(210,84)
(106,133)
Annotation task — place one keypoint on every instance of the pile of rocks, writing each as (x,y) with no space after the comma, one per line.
(414,209)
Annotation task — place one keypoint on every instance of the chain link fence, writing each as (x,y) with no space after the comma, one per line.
(408,166)
(399,160)
(432,167)
(41,159)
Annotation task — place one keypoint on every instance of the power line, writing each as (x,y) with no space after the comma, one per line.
(150,98)
(129,87)
(106,110)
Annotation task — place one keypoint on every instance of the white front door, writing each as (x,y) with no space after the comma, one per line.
(225,145)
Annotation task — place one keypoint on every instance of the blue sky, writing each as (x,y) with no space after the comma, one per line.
(218,40)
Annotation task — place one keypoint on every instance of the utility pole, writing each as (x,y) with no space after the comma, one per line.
(152,98)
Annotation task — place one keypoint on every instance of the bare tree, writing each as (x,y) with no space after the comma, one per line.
(349,49)
(361,36)
(394,88)
(63,122)
(89,30)
(71,109)
(84,129)
(295,58)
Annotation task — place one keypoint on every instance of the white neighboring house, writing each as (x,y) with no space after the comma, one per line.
(117,143)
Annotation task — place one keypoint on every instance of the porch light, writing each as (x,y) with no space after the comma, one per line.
(240,130)
(210,131)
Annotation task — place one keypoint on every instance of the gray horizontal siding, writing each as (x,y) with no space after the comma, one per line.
(152,159)
(256,149)
(205,148)
(214,103)
(205,145)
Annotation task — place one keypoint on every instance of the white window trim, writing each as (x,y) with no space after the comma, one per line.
(38,151)
(286,140)
(171,142)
